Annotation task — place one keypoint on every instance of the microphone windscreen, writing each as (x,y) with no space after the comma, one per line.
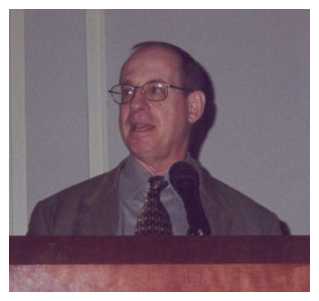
(185,180)
(183,177)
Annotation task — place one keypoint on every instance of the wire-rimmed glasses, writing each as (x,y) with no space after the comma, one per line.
(153,91)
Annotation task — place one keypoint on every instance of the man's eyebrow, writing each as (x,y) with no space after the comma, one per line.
(129,82)
(157,80)
(126,82)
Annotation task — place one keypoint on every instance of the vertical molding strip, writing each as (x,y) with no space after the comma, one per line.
(18,165)
(96,80)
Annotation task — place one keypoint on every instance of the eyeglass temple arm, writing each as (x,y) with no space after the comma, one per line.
(180,88)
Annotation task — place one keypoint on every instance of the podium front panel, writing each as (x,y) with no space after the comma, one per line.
(159,264)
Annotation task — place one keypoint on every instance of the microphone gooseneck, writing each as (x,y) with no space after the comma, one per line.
(185,180)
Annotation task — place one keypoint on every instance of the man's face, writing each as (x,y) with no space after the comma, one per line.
(154,131)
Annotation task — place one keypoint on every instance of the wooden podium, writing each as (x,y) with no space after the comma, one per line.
(242,263)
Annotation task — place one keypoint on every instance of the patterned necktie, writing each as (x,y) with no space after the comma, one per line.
(154,218)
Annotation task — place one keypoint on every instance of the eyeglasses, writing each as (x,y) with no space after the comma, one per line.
(153,91)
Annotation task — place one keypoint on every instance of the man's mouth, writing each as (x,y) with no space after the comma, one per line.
(141,127)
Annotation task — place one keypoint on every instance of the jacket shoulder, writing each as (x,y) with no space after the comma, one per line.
(243,215)
(61,209)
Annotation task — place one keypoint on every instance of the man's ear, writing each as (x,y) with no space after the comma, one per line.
(196,105)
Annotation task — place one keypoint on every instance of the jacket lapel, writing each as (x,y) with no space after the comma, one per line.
(219,217)
(102,207)
(90,208)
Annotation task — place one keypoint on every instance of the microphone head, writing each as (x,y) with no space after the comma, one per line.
(185,180)
(183,177)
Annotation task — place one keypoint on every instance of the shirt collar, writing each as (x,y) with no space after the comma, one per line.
(138,176)
(135,173)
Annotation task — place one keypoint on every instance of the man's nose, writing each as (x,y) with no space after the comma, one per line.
(138,100)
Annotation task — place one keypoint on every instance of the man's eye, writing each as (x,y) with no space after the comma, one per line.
(156,89)
(127,91)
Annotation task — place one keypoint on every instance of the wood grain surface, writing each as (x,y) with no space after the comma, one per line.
(160,277)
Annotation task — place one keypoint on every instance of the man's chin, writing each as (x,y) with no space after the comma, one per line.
(141,142)
(140,151)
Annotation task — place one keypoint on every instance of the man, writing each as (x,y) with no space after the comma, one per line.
(164,98)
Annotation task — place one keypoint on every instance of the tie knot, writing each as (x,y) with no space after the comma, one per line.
(157,184)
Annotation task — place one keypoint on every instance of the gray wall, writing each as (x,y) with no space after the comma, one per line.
(259,63)
(56,102)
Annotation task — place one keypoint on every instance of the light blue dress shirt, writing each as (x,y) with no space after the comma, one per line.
(133,187)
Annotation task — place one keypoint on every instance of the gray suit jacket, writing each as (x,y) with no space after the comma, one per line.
(92,208)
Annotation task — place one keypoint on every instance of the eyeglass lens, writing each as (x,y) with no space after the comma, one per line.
(154,91)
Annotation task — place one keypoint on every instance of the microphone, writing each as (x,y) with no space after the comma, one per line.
(185,181)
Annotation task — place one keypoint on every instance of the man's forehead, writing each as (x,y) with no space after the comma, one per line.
(150,59)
